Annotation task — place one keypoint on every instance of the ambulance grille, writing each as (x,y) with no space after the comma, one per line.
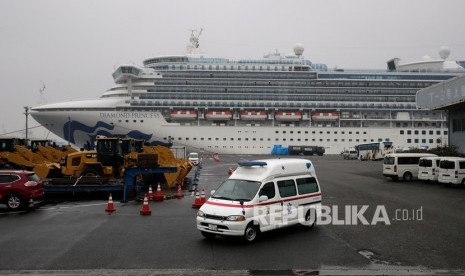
(215,217)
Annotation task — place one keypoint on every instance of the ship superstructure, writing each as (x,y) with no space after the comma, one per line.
(250,106)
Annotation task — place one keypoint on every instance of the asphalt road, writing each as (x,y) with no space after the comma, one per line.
(425,230)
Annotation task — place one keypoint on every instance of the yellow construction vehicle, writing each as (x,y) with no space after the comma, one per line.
(50,151)
(166,159)
(9,156)
(14,153)
(109,159)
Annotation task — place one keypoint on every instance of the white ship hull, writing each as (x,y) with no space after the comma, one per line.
(85,126)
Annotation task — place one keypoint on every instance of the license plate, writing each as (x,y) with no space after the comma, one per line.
(213,227)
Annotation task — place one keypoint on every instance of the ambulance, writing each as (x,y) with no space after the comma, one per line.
(260,196)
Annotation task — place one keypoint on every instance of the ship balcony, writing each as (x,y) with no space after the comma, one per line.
(370,118)
(429,118)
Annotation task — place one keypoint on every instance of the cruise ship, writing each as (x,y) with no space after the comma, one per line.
(251,106)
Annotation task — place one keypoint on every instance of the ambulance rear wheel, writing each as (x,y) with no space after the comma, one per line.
(310,219)
(251,233)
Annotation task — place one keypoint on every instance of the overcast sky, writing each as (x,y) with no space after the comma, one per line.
(73,46)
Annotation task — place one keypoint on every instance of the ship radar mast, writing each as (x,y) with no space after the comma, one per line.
(193,48)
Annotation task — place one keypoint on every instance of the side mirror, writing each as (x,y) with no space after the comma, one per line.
(212,192)
(262,198)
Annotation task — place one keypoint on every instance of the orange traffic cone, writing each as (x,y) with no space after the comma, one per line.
(202,197)
(150,193)
(159,195)
(145,211)
(230,171)
(110,207)
(197,202)
(180,194)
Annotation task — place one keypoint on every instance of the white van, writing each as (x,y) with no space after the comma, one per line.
(260,196)
(194,157)
(428,168)
(403,165)
(452,171)
(350,153)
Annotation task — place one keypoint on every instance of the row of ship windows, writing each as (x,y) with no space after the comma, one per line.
(402,132)
(295,83)
(277,105)
(416,132)
(282,97)
(267,92)
(238,75)
(409,141)
(323,78)
(269,139)
(423,132)
(232,67)
(309,79)
(369,76)
(416,141)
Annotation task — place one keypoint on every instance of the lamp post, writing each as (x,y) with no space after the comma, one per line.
(26,112)
(69,130)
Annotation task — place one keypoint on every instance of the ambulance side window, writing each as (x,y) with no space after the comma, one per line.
(268,190)
(307,185)
(287,188)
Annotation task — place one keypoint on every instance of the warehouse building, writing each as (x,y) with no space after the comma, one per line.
(450,96)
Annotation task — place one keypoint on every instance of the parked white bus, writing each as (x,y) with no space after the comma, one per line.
(403,165)
(374,151)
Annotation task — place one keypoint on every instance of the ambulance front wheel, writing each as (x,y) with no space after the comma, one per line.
(251,233)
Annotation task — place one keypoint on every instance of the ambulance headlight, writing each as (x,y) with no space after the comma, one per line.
(200,214)
(236,218)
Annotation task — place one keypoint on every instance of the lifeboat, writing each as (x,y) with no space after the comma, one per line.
(218,115)
(325,116)
(253,115)
(184,114)
(288,116)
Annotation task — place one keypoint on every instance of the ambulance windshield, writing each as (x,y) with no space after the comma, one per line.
(237,190)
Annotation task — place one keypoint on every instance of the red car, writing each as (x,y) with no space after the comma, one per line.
(19,189)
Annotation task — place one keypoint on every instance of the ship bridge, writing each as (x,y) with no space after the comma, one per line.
(125,72)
